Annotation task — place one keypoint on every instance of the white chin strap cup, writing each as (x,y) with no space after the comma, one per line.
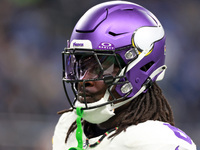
(99,114)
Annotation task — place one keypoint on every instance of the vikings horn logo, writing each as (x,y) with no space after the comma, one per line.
(144,38)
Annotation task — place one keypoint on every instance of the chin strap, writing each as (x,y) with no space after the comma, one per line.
(79,130)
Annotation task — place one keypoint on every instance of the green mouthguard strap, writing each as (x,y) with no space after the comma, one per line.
(79,130)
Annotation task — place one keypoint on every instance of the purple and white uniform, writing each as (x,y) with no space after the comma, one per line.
(150,135)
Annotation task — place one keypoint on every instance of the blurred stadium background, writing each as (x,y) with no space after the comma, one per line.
(34,32)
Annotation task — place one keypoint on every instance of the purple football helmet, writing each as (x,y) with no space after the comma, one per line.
(112,35)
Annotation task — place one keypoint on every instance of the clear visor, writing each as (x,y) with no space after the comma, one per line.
(81,67)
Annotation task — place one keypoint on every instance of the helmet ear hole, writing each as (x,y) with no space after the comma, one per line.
(146,67)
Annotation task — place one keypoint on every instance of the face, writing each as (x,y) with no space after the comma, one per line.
(94,91)
(89,69)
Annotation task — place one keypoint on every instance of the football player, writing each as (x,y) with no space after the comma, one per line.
(111,64)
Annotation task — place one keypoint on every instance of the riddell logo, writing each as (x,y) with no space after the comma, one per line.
(84,44)
(106,46)
(78,44)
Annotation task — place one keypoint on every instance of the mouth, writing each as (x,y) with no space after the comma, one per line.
(85,98)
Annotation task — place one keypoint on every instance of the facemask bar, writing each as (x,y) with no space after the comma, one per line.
(120,76)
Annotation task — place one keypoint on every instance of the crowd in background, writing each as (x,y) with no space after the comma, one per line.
(33,34)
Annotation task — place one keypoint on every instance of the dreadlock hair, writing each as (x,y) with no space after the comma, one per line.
(151,105)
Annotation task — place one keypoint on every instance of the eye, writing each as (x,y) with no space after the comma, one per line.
(96,70)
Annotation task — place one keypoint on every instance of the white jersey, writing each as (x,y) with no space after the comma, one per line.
(150,135)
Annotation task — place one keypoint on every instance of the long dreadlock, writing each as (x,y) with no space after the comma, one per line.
(151,105)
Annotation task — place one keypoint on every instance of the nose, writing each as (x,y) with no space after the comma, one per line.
(85,84)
